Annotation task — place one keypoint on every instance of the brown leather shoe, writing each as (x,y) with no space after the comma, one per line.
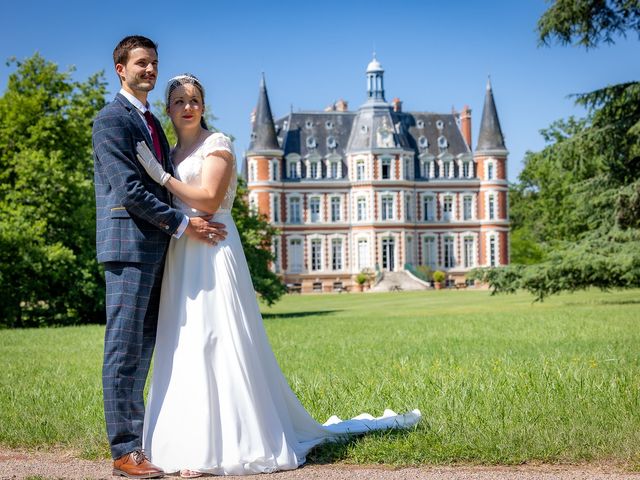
(136,465)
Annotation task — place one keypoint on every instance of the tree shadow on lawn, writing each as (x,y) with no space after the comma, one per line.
(339,450)
(318,313)
(603,302)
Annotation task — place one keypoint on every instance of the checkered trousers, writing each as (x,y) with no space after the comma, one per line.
(133,297)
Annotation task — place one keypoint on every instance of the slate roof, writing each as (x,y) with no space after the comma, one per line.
(263,136)
(410,132)
(315,132)
(490,137)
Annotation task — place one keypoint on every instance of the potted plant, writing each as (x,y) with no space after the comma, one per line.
(438,279)
(361,279)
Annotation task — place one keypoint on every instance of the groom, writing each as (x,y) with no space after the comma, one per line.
(135,222)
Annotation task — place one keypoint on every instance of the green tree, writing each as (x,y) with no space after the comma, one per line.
(576,208)
(588,22)
(256,234)
(47,207)
(255,231)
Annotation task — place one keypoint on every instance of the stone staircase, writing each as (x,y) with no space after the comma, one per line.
(397,281)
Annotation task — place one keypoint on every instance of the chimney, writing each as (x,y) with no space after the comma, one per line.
(397,105)
(342,105)
(465,125)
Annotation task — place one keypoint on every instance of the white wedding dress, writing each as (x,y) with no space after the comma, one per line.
(218,401)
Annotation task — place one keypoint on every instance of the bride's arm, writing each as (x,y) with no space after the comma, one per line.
(217,169)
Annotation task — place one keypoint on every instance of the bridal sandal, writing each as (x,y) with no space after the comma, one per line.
(190,473)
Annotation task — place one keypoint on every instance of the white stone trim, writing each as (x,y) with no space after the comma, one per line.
(392,166)
(445,236)
(252,171)
(454,206)
(274,170)
(310,240)
(355,258)
(494,163)
(333,158)
(290,238)
(434,204)
(487,195)
(321,216)
(474,205)
(474,249)
(330,198)
(396,248)
(409,252)
(488,235)
(294,158)
(345,242)
(394,205)
(274,206)
(288,197)
(423,260)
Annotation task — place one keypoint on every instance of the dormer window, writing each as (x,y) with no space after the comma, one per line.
(442,142)
(423,142)
(364,129)
(466,169)
(446,169)
(420,123)
(331,142)
(335,169)
(314,170)
(308,124)
(439,125)
(285,125)
(328,124)
(311,142)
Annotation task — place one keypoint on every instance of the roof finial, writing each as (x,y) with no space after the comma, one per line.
(488,82)
(263,82)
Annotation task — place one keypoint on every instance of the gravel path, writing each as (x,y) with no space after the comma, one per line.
(20,464)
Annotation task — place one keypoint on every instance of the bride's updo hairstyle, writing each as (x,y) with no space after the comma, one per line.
(184,79)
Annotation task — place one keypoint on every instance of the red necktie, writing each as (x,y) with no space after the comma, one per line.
(154,135)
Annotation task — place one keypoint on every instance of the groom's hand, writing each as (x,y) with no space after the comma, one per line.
(210,233)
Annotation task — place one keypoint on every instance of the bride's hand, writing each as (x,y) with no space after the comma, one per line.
(150,164)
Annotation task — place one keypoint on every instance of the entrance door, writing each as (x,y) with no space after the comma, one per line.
(388,254)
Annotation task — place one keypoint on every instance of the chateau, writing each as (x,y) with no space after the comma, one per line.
(378,188)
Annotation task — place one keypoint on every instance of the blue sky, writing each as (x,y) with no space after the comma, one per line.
(435,54)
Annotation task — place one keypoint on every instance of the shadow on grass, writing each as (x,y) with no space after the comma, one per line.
(340,450)
(318,313)
(603,302)
(620,302)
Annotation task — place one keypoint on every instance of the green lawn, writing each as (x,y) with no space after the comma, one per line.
(498,379)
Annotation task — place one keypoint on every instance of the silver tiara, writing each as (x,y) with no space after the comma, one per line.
(178,81)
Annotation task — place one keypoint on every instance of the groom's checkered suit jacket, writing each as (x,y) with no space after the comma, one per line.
(134,218)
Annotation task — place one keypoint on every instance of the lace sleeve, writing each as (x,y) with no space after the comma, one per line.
(219,143)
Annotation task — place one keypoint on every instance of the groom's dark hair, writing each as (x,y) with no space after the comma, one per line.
(121,52)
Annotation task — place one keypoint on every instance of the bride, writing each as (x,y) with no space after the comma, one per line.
(218,402)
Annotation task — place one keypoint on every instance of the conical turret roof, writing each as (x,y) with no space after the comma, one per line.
(263,136)
(490,137)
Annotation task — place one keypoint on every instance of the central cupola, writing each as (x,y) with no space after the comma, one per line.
(375,80)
